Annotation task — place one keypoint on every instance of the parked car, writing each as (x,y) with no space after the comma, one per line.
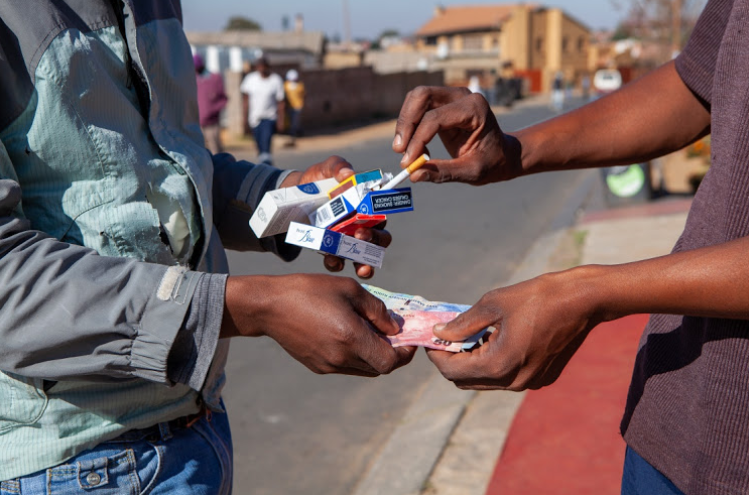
(607,81)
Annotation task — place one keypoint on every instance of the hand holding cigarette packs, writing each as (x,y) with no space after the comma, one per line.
(361,201)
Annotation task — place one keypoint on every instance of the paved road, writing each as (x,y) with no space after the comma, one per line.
(296,432)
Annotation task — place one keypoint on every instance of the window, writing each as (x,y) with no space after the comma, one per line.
(581,44)
(473,42)
(539,44)
(565,44)
(431,41)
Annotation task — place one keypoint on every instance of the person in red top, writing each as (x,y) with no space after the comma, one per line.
(211,100)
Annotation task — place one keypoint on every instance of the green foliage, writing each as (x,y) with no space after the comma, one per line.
(239,23)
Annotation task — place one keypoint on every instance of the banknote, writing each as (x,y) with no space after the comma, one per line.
(416,330)
(405,304)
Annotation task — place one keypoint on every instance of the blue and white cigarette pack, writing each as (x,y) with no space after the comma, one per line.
(386,202)
(340,207)
(327,241)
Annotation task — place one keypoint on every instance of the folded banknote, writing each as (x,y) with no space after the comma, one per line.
(417,316)
(416,330)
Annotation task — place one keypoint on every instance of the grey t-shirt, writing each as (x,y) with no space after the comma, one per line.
(688,406)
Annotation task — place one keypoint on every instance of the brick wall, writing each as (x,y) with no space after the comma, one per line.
(340,97)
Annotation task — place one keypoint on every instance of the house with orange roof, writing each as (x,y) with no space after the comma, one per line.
(508,40)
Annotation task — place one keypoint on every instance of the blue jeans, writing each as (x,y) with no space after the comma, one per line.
(295,129)
(164,459)
(640,478)
(263,134)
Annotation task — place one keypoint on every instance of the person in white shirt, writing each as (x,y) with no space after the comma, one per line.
(265,92)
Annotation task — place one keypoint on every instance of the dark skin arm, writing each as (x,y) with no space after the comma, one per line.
(542,322)
(329,324)
(654,115)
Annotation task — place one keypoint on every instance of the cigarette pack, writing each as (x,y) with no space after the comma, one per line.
(386,201)
(329,242)
(355,180)
(291,204)
(358,221)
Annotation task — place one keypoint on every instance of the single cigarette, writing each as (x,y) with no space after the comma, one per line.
(416,165)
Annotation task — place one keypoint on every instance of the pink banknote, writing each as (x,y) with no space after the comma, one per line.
(416,330)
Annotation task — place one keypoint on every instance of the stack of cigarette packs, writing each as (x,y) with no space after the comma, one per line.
(325,215)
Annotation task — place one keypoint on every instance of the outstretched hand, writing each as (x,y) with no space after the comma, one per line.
(329,324)
(481,153)
(539,325)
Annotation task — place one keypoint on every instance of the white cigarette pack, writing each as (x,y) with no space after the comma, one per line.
(329,242)
(279,208)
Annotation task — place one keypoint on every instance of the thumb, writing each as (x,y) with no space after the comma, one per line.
(375,312)
(465,325)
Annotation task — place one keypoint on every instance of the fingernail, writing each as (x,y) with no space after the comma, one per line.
(439,327)
(406,160)
(364,235)
(397,141)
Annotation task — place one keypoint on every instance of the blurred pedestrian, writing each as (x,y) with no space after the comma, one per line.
(295,94)
(211,101)
(557,93)
(266,101)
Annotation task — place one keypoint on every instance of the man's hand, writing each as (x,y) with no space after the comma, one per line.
(329,324)
(481,152)
(539,326)
(340,169)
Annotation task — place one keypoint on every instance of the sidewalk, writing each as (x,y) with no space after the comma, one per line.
(565,438)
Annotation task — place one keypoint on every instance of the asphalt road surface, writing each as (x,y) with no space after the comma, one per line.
(299,433)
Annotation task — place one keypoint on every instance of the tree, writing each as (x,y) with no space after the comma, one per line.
(389,33)
(239,23)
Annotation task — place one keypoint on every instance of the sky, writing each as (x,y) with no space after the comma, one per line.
(368,17)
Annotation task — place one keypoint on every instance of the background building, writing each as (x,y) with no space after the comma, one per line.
(488,41)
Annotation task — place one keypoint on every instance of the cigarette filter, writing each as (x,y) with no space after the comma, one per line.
(355,180)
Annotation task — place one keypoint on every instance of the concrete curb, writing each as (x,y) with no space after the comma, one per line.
(474,424)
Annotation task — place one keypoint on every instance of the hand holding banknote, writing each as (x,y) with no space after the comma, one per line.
(329,324)
(539,326)
(338,168)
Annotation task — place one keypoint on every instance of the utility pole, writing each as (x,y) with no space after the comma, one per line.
(346,25)
(676,27)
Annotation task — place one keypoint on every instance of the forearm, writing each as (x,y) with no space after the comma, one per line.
(650,117)
(707,282)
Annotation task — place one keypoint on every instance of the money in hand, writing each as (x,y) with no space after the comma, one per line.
(416,330)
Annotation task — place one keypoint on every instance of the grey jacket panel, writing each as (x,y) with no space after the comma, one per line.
(24,38)
(67,313)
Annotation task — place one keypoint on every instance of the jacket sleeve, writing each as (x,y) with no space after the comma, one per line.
(238,187)
(67,313)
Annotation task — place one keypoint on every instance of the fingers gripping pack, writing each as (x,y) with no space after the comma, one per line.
(335,243)
(279,208)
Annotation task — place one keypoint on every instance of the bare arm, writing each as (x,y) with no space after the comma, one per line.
(542,322)
(654,115)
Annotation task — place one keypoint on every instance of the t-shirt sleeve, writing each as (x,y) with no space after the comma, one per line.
(245,86)
(696,64)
